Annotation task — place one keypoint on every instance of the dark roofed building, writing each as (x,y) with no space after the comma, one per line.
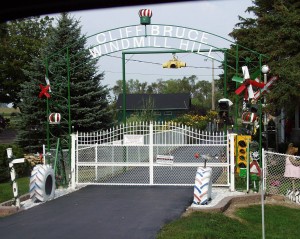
(165,106)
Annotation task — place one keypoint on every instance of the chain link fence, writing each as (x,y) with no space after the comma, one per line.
(282,177)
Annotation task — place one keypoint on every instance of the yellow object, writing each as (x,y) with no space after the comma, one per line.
(174,63)
(242,156)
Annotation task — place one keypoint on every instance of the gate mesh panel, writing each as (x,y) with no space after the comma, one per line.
(113,175)
(276,182)
(86,154)
(186,153)
(186,175)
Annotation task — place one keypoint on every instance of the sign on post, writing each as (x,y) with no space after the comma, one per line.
(133,139)
(164,159)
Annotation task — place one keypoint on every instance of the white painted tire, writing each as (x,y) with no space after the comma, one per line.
(42,183)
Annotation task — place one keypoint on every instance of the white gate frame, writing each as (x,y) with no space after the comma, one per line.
(230,164)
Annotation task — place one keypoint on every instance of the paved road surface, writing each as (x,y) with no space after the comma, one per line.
(108,212)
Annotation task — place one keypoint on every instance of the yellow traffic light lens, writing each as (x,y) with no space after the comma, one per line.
(242,143)
(242,151)
(242,165)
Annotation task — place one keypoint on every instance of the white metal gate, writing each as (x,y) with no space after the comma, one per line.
(149,154)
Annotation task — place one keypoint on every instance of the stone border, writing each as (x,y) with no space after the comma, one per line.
(7,208)
(226,202)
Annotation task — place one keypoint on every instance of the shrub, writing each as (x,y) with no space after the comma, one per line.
(22,169)
(194,121)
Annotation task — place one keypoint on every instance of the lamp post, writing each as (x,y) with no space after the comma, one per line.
(265,69)
(213,106)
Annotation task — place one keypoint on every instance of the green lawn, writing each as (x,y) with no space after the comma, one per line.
(280,222)
(6,191)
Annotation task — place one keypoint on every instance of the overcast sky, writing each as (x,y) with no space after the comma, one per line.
(218,17)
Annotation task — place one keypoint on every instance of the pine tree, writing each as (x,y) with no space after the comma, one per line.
(274,31)
(20,40)
(64,53)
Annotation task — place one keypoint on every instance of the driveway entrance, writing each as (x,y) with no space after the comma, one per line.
(108,212)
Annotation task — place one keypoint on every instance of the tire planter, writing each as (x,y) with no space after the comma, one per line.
(203,185)
(42,183)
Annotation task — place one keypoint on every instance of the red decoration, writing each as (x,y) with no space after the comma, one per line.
(246,84)
(265,89)
(254,168)
(196,155)
(248,117)
(145,13)
(54,118)
(44,91)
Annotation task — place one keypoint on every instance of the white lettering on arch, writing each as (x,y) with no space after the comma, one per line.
(178,31)
(114,46)
(168,31)
(139,42)
(128,30)
(154,30)
(138,30)
(203,37)
(111,37)
(95,52)
(125,43)
(101,38)
(184,45)
(191,33)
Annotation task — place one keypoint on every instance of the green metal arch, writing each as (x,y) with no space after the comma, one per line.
(64,52)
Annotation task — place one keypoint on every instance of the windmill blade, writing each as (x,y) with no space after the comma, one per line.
(255,74)
(250,92)
(240,89)
(237,79)
(257,84)
(245,72)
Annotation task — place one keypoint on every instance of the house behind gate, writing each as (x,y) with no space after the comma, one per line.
(165,106)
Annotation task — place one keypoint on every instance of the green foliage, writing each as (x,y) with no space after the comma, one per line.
(6,190)
(20,40)
(22,169)
(217,225)
(88,97)
(194,121)
(274,31)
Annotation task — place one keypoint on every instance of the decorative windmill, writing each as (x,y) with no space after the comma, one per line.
(247,83)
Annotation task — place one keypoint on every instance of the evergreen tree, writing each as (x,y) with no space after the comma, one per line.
(64,53)
(274,31)
(20,41)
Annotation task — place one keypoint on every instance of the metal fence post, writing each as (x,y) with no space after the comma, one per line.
(96,159)
(73,160)
(232,162)
(151,153)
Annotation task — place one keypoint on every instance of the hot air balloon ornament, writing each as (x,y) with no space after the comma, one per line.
(145,16)
(54,118)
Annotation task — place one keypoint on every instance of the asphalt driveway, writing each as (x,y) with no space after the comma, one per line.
(108,212)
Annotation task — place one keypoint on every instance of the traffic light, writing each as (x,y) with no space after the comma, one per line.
(242,156)
(174,63)
(224,105)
